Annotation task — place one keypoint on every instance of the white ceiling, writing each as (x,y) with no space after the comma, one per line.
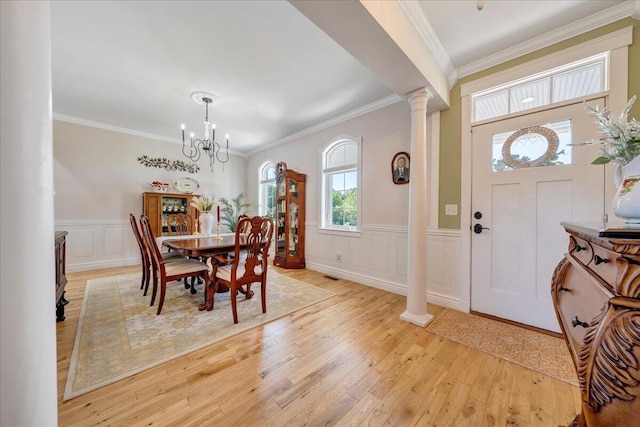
(134,64)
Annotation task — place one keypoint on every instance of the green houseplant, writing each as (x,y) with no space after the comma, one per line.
(231,209)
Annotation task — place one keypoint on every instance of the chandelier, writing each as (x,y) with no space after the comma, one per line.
(193,149)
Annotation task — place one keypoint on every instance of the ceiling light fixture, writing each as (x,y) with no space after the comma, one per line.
(208,144)
(480,4)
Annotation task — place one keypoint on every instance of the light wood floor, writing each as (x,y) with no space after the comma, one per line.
(348,360)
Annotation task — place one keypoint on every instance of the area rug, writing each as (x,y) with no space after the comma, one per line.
(534,350)
(119,334)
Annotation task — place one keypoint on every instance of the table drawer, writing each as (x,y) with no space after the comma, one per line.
(583,300)
(580,250)
(604,264)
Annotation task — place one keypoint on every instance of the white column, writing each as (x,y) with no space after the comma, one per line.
(416,311)
(27,285)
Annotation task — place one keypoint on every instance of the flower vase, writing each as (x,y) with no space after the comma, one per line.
(626,203)
(207,221)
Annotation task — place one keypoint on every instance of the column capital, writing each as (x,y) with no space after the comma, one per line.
(419,98)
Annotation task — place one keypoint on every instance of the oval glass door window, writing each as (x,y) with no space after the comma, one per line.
(533,146)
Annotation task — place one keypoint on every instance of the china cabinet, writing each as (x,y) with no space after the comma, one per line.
(61,277)
(158,206)
(290,214)
(596,295)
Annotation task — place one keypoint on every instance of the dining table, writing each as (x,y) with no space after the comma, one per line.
(202,247)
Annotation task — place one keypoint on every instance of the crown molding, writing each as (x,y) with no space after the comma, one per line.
(105,126)
(376,105)
(613,14)
(420,22)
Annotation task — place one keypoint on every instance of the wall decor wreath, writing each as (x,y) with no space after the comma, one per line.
(170,165)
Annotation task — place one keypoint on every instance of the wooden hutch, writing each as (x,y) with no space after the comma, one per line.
(157,206)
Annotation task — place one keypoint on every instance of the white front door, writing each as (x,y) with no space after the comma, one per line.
(522,191)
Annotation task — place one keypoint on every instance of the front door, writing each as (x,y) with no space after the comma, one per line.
(526,180)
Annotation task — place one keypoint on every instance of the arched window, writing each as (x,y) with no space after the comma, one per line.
(341,184)
(267,189)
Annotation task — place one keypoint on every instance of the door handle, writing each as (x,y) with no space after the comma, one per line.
(478,228)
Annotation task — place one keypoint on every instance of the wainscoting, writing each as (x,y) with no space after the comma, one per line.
(377,256)
(95,244)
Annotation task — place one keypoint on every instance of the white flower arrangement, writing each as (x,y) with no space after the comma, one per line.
(204,203)
(620,140)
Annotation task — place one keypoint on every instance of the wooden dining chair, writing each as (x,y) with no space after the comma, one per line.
(248,265)
(145,256)
(169,271)
(179,224)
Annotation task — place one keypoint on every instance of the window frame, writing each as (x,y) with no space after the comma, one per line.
(263,183)
(326,195)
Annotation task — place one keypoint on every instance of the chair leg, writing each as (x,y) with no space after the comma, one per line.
(144,276)
(147,277)
(263,294)
(234,308)
(155,287)
(163,288)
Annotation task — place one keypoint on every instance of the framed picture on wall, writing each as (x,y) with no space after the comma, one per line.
(400,168)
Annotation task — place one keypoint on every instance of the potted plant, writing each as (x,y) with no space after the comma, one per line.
(231,209)
(620,144)
(204,204)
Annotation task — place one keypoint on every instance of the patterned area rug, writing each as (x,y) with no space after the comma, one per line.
(120,335)
(534,350)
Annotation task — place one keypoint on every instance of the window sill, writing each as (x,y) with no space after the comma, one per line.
(339,232)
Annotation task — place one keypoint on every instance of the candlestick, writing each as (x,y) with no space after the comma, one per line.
(218,237)
(218,215)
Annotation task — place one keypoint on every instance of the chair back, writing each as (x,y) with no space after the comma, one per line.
(139,238)
(251,262)
(179,224)
(154,251)
(245,227)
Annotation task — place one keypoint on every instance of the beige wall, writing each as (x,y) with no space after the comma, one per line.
(384,132)
(450,120)
(97,175)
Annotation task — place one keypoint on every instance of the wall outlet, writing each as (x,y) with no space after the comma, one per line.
(338,256)
(451,209)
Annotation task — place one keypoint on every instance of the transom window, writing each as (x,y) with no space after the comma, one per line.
(570,81)
(267,189)
(341,185)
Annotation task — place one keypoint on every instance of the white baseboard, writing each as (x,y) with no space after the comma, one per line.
(395,288)
(98,265)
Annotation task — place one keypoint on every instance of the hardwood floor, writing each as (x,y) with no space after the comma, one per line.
(345,361)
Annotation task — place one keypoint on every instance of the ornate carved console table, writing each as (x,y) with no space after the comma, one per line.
(596,295)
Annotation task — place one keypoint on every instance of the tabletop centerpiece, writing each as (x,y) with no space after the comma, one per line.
(620,144)
(204,204)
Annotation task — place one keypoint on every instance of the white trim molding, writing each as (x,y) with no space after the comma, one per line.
(126,131)
(608,16)
(376,105)
(420,22)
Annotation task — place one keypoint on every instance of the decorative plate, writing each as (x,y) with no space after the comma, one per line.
(187,185)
